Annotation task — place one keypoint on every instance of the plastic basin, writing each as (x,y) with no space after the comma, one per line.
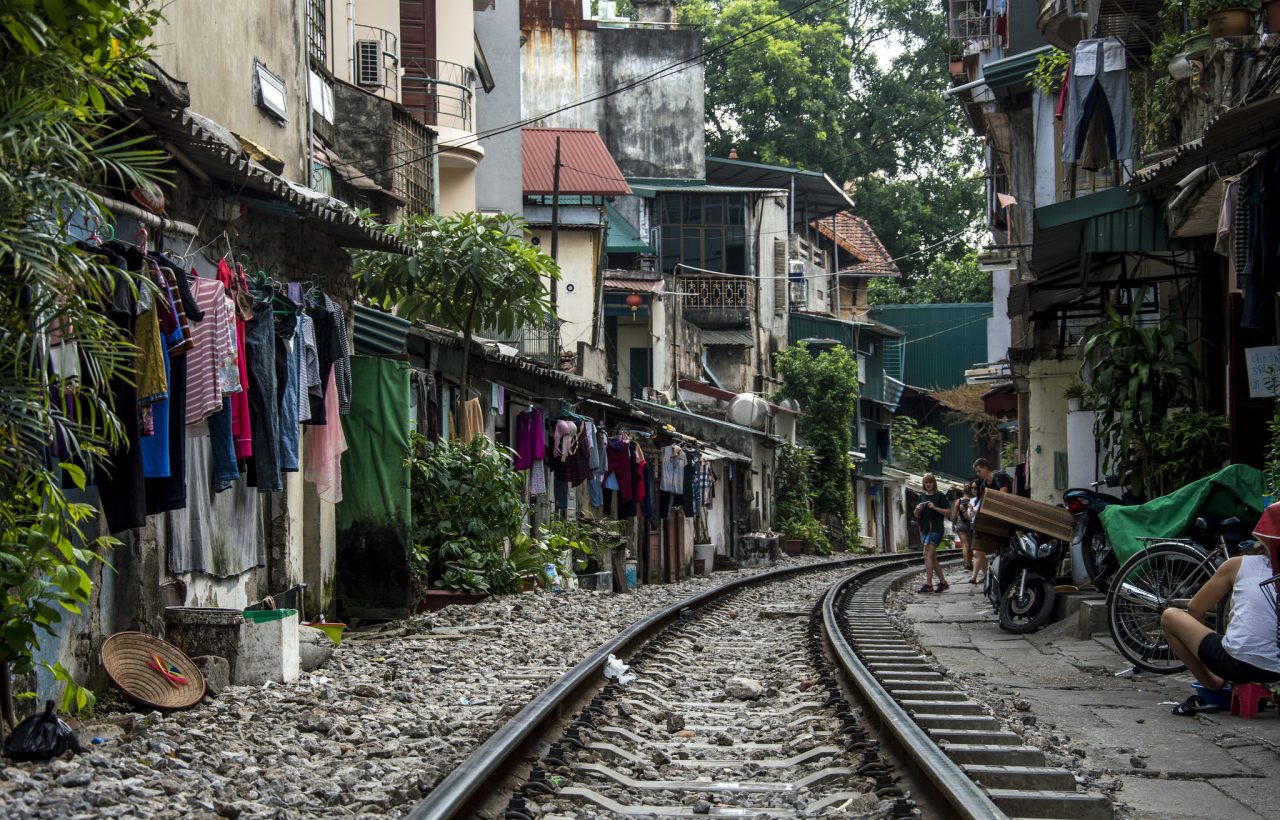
(262,616)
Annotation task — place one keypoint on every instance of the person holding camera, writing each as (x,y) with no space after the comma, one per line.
(931,510)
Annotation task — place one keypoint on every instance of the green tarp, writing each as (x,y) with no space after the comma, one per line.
(373,519)
(1236,490)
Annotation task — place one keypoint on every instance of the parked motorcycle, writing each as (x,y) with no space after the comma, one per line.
(1022,579)
(1091,554)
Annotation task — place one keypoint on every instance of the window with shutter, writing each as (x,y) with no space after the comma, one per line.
(779,276)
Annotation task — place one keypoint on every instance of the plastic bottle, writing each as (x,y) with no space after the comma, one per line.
(553,576)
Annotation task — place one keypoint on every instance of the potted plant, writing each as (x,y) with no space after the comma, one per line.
(1075,394)
(468,508)
(1226,18)
(805,535)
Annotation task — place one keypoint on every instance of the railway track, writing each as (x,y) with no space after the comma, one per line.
(784,695)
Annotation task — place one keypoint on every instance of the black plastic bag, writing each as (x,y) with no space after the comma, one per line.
(41,737)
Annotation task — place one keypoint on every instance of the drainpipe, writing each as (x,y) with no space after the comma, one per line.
(351,41)
(960,89)
(1072,14)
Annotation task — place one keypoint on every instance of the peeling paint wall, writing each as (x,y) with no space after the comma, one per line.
(653,130)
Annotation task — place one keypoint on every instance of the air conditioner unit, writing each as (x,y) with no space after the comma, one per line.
(368,62)
(796,268)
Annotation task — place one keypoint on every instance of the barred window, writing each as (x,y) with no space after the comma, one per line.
(317,31)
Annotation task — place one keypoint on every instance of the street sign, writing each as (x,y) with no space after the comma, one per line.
(1263,365)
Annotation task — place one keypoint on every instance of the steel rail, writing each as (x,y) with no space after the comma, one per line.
(963,796)
(498,756)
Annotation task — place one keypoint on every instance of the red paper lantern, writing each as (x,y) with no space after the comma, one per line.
(634,301)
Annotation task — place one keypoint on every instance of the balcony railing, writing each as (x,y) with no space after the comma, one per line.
(377,61)
(541,343)
(717,300)
(972,26)
(440,92)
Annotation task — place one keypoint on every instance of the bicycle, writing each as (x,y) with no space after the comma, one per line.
(1166,573)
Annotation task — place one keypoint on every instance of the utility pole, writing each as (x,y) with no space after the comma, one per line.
(555,218)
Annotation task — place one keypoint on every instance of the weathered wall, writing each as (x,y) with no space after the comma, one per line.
(364,133)
(212,46)
(631,334)
(1047,423)
(578,252)
(653,130)
(498,188)
(457,188)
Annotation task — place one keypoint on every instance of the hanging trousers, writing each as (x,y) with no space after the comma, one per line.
(1099,86)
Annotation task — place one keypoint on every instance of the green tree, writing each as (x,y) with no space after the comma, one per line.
(914,447)
(947,282)
(826,386)
(853,89)
(66,66)
(467,271)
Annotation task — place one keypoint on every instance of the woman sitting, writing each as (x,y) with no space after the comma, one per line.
(1249,652)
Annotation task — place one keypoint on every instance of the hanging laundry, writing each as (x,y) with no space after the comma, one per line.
(531,440)
(211,351)
(217,534)
(237,289)
(264,407)
(673,464)
(1099,87)
(620,470)
(472,420)
(325,445)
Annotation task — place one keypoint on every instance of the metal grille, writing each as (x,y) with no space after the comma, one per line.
(367,68)
(716,291)
(317,31)
(411,176)
(972,26)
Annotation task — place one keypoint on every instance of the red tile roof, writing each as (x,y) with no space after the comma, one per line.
(586,167)
(855,236)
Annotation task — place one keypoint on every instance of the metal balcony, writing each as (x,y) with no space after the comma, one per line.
(439,92)
(1136,22)
(377,61)
(717,301)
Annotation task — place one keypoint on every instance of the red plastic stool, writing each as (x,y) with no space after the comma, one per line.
(1246,697)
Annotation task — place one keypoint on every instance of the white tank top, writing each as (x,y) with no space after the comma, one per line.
(1251,633)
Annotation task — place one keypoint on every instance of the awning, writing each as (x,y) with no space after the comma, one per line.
(634,285)
(728,338)
(649,188)
(1236,131)
(623,236)
(816,193)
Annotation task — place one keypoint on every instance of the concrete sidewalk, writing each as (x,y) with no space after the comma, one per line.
(1062,693)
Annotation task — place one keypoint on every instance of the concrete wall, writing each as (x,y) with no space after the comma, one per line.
(457,188)
(1047,423)
(999,329)
(578,252)
(497,187)
(653,130)
(212,46)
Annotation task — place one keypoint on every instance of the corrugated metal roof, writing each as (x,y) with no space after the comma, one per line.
(586,166)
(378,333)
(634,285)
(623,236)
(651,188)
(1012,71)
(728,338)
(942,341)
(816,193)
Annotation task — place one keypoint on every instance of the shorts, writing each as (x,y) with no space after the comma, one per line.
(1212,655)
(931,539)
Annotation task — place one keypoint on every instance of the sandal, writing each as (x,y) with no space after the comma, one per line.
(943,587)
(926,588)
(973,579)
(1194,705)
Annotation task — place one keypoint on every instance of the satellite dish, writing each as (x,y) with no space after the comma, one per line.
(749,410)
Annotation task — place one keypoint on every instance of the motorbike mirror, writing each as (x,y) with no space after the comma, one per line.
(1202,524)
(1227,523)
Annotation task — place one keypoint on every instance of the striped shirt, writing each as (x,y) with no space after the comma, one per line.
(211,350)
(342,367)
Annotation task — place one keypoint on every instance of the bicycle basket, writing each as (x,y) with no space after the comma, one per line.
(1271,588)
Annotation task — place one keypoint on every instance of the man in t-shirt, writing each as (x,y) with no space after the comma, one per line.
(986,479)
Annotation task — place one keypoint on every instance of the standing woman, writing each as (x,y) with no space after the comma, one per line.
(931,511)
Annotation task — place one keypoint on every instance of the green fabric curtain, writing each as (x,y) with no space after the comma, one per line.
(1236,490)
(373,519)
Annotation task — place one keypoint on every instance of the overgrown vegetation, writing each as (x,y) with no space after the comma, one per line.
(1185,447)
(914,447)
(466,272)
(1051,68)
(826,386)
(64,68)
(1137,373)
(793,507)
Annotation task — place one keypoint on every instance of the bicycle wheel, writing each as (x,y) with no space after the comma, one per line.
(1142,589)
